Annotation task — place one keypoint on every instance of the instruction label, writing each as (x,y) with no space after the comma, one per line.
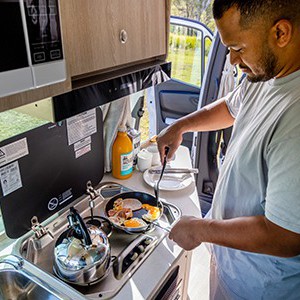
(82,143)
(10,178)
(13,151)
(83,151)
(81,126)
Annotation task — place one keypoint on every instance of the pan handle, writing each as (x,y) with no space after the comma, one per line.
(167,228)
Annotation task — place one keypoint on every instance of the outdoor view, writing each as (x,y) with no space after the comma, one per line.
(185,43)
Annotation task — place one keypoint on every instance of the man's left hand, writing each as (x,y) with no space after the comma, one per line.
(184,233)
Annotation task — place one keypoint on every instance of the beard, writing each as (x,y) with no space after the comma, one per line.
(267,64)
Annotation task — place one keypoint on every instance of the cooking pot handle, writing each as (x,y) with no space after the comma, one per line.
(79,226)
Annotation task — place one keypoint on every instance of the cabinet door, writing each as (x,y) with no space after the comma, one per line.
(93,29)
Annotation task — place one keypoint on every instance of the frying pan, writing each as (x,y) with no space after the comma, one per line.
(144,198)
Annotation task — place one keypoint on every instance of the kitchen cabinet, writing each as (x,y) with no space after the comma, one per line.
(108,34)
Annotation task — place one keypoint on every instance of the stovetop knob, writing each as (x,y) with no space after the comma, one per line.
(134,256)
(147,241)
(141,248)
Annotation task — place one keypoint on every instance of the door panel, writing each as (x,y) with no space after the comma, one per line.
(183,101)
(109,33)
(175,100)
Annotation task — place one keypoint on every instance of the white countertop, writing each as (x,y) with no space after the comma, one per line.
(148,276)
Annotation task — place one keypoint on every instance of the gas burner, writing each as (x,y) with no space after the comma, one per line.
(101,222)
(128,251)
(109,189)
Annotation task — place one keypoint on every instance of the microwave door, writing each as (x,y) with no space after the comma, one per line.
(45,41)
(15,72)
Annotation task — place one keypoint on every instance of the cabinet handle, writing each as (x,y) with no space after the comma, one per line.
(123,36)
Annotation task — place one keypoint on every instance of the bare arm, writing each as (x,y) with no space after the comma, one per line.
(211,117)
(254,234)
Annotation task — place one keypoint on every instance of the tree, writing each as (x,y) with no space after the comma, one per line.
(191,9)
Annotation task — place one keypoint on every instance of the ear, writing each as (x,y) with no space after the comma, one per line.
(282,30)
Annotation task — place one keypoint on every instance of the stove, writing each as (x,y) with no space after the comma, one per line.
(128,251)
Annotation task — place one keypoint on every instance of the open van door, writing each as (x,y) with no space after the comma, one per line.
(189,45)
(176,98)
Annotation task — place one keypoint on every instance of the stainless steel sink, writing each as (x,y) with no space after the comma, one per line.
(21,280)
(17,286)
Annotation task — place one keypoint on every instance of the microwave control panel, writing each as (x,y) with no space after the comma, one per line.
(44,32)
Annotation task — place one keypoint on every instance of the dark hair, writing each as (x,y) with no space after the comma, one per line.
(250,10)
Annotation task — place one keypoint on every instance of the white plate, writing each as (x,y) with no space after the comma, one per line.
(169,182)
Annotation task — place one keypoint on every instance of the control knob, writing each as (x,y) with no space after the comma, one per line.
(141,248)
(147,241)
(134,256)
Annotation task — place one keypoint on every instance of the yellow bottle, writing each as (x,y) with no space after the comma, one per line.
(122,155)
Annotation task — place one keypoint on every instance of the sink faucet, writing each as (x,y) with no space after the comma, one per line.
(12,260)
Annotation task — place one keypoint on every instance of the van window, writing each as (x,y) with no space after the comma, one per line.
(189,44)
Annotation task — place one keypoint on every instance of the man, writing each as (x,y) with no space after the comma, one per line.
(254,223)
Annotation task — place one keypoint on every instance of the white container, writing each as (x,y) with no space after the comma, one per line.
(155,154)
(144,160)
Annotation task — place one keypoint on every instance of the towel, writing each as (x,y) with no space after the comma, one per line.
(228,79)
(115,113)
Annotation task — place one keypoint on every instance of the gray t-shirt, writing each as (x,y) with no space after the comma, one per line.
(261,176)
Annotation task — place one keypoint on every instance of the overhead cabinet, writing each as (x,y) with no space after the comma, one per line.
(99,35)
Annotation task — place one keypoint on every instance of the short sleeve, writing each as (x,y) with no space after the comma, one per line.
(282,205)
(234,99)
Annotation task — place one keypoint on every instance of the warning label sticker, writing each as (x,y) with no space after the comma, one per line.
(13,151)
(83,151)
(10,178)
(81,126)
(82,143)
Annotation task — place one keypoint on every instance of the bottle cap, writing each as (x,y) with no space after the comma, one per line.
(122,128)
(153,140)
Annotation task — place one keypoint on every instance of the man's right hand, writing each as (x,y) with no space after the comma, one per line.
(170,137)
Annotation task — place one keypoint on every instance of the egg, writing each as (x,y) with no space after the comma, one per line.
(152,214)
(134,223)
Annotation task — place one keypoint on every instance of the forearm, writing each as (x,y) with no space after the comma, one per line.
(253,234)
(211,117)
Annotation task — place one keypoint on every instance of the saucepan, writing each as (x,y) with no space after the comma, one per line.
(144,210)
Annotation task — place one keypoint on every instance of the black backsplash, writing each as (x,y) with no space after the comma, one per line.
(52,177)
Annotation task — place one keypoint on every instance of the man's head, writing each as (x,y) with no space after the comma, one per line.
(260,35)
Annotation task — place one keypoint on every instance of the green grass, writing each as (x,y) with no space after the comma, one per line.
(186,65)
(13,123)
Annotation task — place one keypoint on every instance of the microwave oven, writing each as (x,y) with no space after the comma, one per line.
(31,53)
